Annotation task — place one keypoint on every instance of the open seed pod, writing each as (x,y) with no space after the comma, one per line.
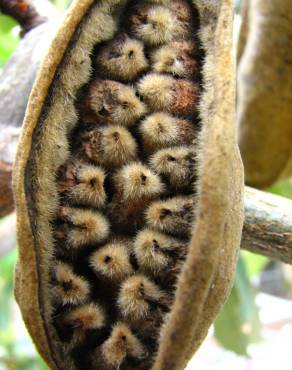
(128,185)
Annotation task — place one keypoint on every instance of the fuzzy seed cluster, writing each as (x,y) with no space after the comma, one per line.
(127,191)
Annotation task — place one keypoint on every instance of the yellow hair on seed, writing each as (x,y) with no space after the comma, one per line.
(177,58)
(162,2)
(85,227)
(183,12)
(89,190)
(69,288)
(122,342)
(112,261)
(109,146)
(157,90)
(176,164)
(114,103)
(87,317)
(159,130)
(136,181)
(173,216)
(150,247)
(119,146)
(122,59)
(134,297)
(129,108)
(156,24)
(163,92)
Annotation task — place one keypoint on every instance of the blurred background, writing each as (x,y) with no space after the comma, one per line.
(253,332)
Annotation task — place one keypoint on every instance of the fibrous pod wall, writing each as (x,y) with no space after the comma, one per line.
(128,185)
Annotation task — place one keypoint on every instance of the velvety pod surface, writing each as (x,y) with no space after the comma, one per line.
(110,181)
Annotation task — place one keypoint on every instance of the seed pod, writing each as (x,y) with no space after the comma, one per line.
(135,187)
(137,296)
(110,102)
(174,216)
(69,287)
(81,227)
(183,11)
(161,2)
(156,252)
(121,343)
(74,115)
(82,184)
(161,257)
(177,166)
(180,58)
(122,59)
(162,130)
(156,24)
(143,305)
(111,146)
(112,261)
(83,319)
(163,92)
(135,182)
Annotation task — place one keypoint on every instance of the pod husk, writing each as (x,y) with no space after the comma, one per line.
(264,92)
(208,273)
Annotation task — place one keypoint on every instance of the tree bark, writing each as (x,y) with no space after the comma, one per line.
(8,142)
(268,225)
(23,12)
(16,81)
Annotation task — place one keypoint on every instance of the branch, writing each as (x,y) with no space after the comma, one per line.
(16,82)
(8,142)
(23,12)
(268,225)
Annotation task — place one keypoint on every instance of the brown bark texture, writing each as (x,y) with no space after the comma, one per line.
(23,12)
(16,81)
(267,228)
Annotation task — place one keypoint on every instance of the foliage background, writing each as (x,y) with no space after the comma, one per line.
(237,326)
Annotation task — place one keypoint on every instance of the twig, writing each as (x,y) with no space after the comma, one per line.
(23,12)
(268,225)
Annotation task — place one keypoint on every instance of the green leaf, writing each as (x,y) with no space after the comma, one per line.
(238,324)
(283,188)
(6,288)
(254,263)
(9,38)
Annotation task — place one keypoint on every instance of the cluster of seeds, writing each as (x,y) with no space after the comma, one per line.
(127,191)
